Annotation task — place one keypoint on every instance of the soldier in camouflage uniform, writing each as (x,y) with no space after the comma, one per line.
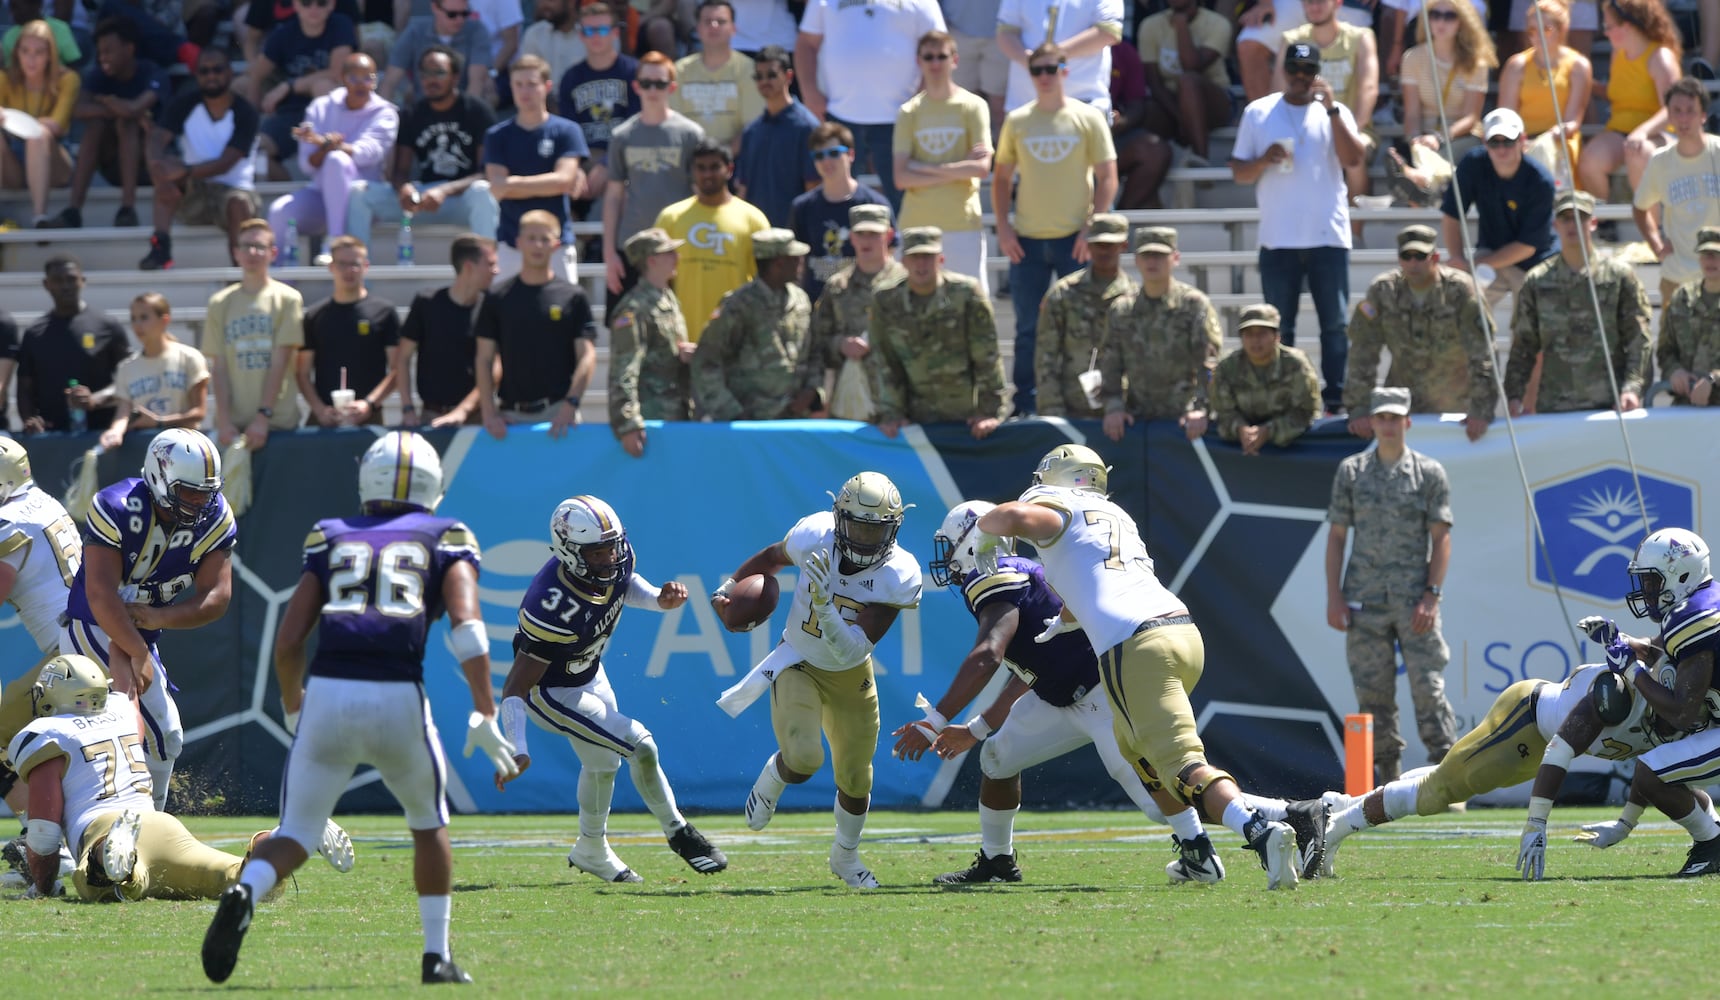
(648,345)
(844,308)
(756,359)
(934,345)
(1265,392)
(1162,345)
(1430,318)
(1555,318)
(1398,502)
(1689,351)
(1074,319)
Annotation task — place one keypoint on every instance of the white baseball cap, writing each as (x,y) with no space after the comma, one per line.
(1502,122)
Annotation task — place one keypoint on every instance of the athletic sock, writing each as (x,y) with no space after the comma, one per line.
(1186,824)
(160,775)
(1237,816)
(436,913)
(770,784)
(997,831)
(1400,797)
(653,786)
(1701,824)
(596,790)
(1272,809)
(260,876)
(848,827)
(1352,819)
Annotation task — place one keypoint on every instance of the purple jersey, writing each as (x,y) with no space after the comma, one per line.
(157,565)
(381,575)
(1061,671)
(1693,626)
(568,623)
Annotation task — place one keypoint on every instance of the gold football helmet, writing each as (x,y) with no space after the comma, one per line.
(869,512)
(14,468)
(70,685)
(1073,466)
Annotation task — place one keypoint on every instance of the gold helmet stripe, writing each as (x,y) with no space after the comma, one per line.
(402,467)
(599,510)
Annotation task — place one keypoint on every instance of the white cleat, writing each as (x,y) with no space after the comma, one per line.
(1276,845)
(595,857)
(1338,801)
(336,848)
(759,810)
(119,853)
(846,865)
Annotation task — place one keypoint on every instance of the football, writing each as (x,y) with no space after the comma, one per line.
(751,602)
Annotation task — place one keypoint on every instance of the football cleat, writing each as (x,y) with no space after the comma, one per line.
(1276,844)
(1309,818)
(1704,859)
(13,855)
(846,865)
(227,932)
(983,871)
(443,970)
(1196,861)
(119,852)
(336,848)
(699,853)
(759,810)
(600,860)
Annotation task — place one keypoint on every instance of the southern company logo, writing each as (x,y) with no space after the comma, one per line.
(1593,524)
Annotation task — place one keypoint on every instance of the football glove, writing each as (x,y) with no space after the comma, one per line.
(291,720)
(1056,626)
(1532,850)
(1606,834)
(482,734)
(1620,656)
(1598,629)
(816,569)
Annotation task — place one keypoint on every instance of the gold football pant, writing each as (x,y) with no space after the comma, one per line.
(171,863)
(1504,750)
(841,705)
(1148,677)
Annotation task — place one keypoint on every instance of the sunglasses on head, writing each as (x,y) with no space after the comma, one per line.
(1411,255)
(1442,14)
(829,153)
(645,84)
(596,31)
(1045,70)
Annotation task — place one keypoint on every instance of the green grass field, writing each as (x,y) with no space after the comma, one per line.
(1423,906)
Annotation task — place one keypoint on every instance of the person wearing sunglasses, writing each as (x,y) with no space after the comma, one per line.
(597,94)
(1350,63)
(554,36)
(943,149)
(1429,317)
(451,25)
(650,167)
(1085,29)
(775,164)
(820,217)
(1513,196)
(306,53)
(1445,73)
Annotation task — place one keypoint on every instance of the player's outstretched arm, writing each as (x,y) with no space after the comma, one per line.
(641,594)
(1015,519)
(45,832)
(526,672)
(213,592)
(997,625)
(471,644)
(958,739)
(297,621)
(769,561)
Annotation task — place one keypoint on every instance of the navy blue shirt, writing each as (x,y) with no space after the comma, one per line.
(294,54)
(822,224)
(1518,210)
(526,153)
(145,77)
(775,164)
(598,99)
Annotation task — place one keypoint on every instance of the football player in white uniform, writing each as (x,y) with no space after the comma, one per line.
(854,581)
(1150,652)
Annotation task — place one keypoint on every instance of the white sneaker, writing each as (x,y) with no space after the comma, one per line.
(595,857)
(119,852)
(759,810)
(846,865)
(336,848)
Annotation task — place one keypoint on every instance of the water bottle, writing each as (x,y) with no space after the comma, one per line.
(291,257)
(404,243)
(80,420)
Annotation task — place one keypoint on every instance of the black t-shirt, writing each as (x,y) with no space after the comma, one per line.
(447,145)
(535,327)
(56,349)
(264,14)
(351,335)
(445,332)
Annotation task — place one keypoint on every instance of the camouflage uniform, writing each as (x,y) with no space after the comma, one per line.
(647,378)
(1690,336)
(756,355)
(1159,354)
(1439,350)
(1073,320)
(1389,511)
(1283,396)
(844,308)
(1555,317)
(936,357)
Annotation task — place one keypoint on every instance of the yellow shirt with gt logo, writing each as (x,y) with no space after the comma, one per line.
(718,255)
(1054,153)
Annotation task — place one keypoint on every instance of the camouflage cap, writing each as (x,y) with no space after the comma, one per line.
(1390,399)
(1258,315)
(869,219)
(922,239)
(1417,239)
(1156,239)
(769,244)
(1707,240)
(1108,227)
(646,242)
(1574,199)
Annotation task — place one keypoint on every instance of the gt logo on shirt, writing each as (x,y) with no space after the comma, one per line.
(938,141)
(1051,148)
(706,236)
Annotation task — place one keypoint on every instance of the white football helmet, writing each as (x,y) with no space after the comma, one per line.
(579,527)
(183,471)
(14,468)
(70,685)
(1668,567)
(1074,466)
(400,470)
(869,512)
(956,542)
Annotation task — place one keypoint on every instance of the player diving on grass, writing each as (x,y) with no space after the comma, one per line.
(566,618)
(854,581)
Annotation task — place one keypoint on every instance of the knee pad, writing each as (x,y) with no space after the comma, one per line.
(989,765)
(644,753)
(1192,793)
(597,760)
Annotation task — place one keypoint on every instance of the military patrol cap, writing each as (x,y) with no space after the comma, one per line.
(1417,239)
(1108,227)
(646,242)
(1390,399)
(922,239)
(1259,315)
(1574,199)
(1156,239)
(769,244)
(869,219)
(1707,240)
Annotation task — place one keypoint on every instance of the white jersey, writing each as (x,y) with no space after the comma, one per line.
(1630,738)
(894,581)
(105,771)
(41,543)
(1098,564)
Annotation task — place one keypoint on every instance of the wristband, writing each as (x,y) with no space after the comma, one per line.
(934,717)
(979,727)
(572,401)
(1332,112)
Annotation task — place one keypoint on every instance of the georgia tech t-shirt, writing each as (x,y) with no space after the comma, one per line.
(718,255)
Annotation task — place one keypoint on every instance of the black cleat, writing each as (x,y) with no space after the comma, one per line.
(227,932)
(1308,818)
(703,856)
(1196,861)
(13,855)
(1704,859)
(984,871)
(443,970)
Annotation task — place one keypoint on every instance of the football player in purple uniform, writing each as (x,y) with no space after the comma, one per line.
(566,618)
(371,587)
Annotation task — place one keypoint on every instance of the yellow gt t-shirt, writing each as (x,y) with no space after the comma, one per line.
(718,255)
(723,102)
(243,330)
(1054,153)
(935,132)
